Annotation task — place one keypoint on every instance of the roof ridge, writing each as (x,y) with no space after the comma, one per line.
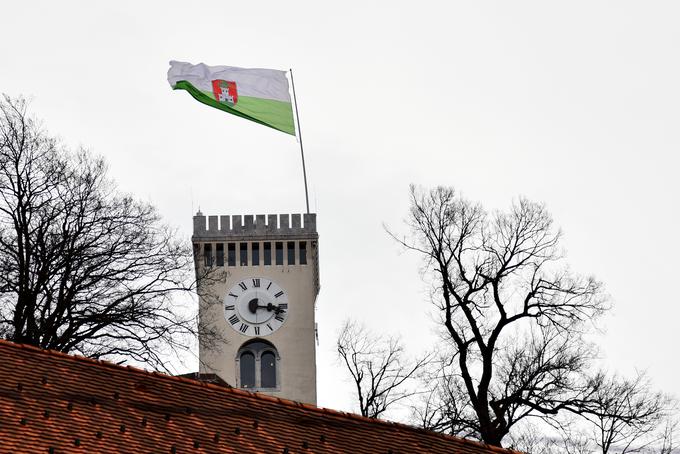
(253,395)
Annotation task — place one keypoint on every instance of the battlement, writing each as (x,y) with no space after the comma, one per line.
(247,226)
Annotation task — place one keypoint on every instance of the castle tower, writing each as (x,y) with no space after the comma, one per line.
(258,282)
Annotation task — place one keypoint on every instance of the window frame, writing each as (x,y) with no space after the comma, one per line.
(290,253)
(302,248)
(268,351)
(208,258)
(267,253)
(242,254)
(241,365)
(231,254)
(264,347)
(219,254)
(255,253)
(278,245)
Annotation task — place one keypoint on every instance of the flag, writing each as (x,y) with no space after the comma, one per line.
(260,95)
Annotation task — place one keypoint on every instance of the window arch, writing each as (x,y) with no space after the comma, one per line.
(258,366)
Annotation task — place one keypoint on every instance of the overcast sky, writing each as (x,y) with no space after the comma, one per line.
(575,104)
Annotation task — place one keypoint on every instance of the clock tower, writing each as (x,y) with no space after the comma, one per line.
(258,279)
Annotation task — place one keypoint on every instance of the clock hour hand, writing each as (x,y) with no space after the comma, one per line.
(254,305)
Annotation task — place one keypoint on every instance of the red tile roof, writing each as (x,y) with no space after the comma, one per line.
(53,402)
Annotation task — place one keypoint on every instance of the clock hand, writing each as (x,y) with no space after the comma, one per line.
(253,305)
(270,307)
(277,309)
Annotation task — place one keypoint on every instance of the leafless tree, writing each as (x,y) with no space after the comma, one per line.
(573,440)
(531,439)
(511,311)
(442,406)
(379,370)
(668,443)
(83,268)
(628,416)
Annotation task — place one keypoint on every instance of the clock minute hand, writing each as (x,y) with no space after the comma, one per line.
(277,309)
(254,305)
(270,307)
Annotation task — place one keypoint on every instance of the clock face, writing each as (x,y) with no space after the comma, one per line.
(256,306)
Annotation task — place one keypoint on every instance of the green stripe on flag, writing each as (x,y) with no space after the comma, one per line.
(268,112)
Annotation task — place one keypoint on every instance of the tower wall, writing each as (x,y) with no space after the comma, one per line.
(295,341)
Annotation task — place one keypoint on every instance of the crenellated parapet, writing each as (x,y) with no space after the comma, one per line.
(237,227)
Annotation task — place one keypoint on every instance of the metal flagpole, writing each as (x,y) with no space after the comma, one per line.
(302,151)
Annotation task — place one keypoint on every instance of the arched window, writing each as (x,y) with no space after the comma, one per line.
(247,362)
(258,365)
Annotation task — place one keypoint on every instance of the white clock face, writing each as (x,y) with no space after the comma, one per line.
(256,306)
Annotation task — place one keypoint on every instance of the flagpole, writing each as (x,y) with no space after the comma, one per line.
(302,151)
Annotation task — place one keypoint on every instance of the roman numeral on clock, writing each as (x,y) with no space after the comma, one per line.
(283,306)
(229,307)
(244,327)
(278,294)
(270,284)
(234,319)
(257,330)
(243,285)
(256,282)
(279,318)
(270,327)
(231,294)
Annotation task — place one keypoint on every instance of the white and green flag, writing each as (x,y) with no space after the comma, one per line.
(260,95)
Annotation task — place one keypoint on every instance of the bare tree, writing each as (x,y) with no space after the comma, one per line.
(83,268)
(531,439)
(668,442)
(442,406)
(573,440)
(628,416)
(511,311)
(378,368)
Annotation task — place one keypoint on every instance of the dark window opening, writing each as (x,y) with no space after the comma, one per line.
(207,254)
(255,253)
(258,364)
(291,252)
(243,253)
(219,254)
(231,254)
(247,362)
(267,254)
(268,370)
(303,252)
(279,253)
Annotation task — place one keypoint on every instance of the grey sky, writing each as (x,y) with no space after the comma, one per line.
(575,104)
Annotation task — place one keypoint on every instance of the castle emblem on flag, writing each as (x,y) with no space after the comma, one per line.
(225,91)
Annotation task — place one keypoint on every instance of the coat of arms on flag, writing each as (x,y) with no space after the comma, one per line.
(225,91)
